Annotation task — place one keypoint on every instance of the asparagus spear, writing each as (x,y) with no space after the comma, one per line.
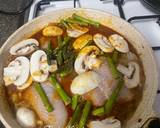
(65,70)
(82,19)
(109,104)
(60,43)
(59,89)
(66,40)
(49,53)
(75,116)
(115,73)
(98,111)
(75,99)
(106,109)
(59,57)
(44,97)
(63,22)
(73,21)
(85,113)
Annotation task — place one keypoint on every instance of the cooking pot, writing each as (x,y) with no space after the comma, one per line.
(144,109)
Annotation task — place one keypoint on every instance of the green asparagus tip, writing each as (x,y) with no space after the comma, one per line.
(98,111)
(82,19)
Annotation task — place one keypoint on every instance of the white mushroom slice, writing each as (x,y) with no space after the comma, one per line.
(106,123)
(103,43)
(76,31)
(24,47)
(135,79)
(26,117)
(80,42)
(127,71)
(26,84)
(119,43)
(87,59)
(85,82)
(39,66)
(17,71)
(131,74)
(52,31)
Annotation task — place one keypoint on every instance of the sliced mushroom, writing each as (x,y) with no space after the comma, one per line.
(39,66)
(131,74)
(119,43)
(26,84)
(127,71)
(126,58)
(17,72)
(103,43)
(24,47)
(87,60)
(85,82)
(106,123)
(52,31)
(80,42)
(75,30)
(26,117)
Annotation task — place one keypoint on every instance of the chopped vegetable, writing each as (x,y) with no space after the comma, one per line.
(59,89)
(99,111)
(106,109)
(85,113)
(75,117)
(75,100)
(84,20)
(115,73)
(67,68)
(66,57)
(49,53)
(60,57)
(63,22)
(60,42)
(73,21)
(66,40)
(109,104)
(44,97)
(62,49)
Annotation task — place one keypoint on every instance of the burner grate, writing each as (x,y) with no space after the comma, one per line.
(120,3)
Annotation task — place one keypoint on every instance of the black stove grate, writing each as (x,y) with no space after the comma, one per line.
(120,4)
(47,2)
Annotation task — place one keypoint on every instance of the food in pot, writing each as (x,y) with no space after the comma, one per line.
(74,74)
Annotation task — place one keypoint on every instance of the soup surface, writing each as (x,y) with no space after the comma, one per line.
(74,74)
